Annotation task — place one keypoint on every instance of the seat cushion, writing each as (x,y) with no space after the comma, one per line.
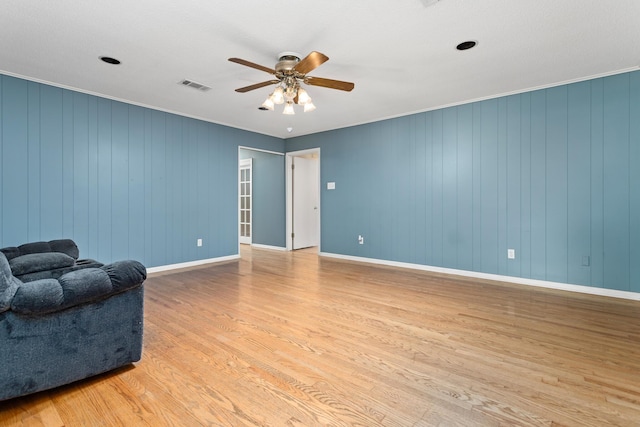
(30,263)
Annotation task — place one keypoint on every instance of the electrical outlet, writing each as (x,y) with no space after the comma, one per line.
(361,240)
(511,253)
(199,242)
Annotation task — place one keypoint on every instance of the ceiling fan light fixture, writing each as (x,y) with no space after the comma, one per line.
(268,104)
(288,109)
(278,96)
(289,73)
(303,97)
(309,106)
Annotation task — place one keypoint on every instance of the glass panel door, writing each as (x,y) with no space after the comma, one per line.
(245,200)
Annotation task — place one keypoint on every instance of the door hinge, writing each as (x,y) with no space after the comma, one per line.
(293,166)
(293,235)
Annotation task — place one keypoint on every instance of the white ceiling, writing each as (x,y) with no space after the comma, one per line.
(400,54)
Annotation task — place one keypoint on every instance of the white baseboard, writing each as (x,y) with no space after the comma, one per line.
(158,269)
(510,279)
(273,248)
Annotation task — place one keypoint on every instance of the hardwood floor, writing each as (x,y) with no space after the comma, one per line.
(291,339)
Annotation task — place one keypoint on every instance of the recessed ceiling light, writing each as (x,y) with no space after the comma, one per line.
(109,60)
(466,45)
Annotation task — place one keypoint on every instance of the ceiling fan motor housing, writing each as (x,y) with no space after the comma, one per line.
(286,62)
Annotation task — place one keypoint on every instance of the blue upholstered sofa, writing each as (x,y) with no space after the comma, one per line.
(64,319)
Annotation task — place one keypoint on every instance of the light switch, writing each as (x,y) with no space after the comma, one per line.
(331,185)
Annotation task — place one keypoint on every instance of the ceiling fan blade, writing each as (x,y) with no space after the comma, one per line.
(252,65)
(257,86)
(331,84)
(311,62)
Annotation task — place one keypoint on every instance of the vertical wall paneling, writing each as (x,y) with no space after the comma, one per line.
(437,225)
(67,156)
(464,188)
(538,199)
(449,187)
(596,125)
(477,168)
(501,162)
(104,188)
(428,193)
(149,184)
(556,184)
(579,184)
(180,168)
(634,182)
(550,173)
(229,210)
(203,187)
(419,229)
(616,181)
(489,187)
(79,159)
(91,239)
(228,181)
(523,249)
(402,163)
(15,156)
(33,164)
(160,216)
(384,221)
(51,153)
(135,173)
(409,237)
(514,186)
(122,181)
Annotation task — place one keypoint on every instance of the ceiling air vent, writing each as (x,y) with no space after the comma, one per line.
(198,86)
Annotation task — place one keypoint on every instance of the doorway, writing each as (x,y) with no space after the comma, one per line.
(303,199)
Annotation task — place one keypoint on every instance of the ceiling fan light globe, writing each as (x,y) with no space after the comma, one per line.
(268,103)
(303,97)
(278,96)
(288,109)
(309,106)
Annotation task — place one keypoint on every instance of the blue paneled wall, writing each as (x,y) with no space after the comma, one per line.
(553,174)
(122,181)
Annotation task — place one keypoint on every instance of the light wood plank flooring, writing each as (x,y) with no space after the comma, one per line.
(291,339)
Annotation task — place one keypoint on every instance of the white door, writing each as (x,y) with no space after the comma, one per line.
(244,200)
(305,217)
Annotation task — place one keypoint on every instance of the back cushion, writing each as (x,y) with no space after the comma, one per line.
(34,248)
(30,263)
(10,252)
(66,246)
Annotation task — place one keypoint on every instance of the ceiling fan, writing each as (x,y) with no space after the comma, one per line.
(289,73)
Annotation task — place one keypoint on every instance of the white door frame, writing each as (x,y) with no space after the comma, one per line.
(288,162)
